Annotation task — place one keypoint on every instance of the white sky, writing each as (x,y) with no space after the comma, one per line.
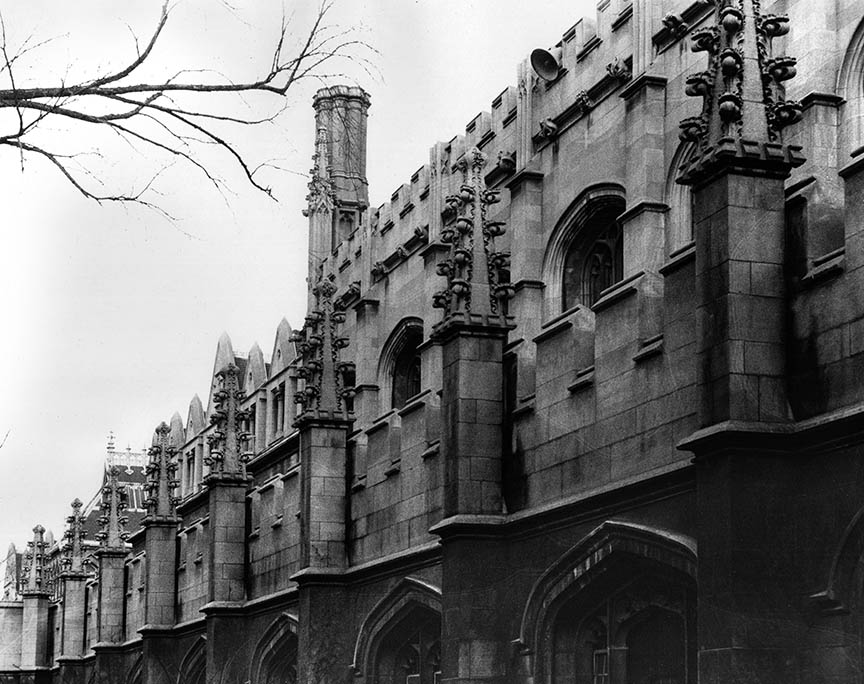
(110,315)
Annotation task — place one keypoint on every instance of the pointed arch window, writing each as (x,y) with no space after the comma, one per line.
(595,259)
(407,369)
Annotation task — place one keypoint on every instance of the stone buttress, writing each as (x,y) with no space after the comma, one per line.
(472,336)
(737,174)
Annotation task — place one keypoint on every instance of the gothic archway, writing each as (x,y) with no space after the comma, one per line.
(399,642)
(193,668)
(275,658)
(134,676)
(617,608)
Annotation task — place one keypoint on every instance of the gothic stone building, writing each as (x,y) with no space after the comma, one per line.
(581,403)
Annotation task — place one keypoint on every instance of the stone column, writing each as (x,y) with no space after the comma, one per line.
(160,535)
(111,557)
(324,423)
(35,596)
(73,606)
(749,622)
(226,546)
(472,336)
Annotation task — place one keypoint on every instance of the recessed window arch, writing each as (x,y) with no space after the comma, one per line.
(275,657)
(399,641)
(401,363)
(617,608)
(679,199)
(585,254)
(850,87)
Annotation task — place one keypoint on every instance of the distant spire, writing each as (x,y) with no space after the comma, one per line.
(161,485)
(743,91)
(33,579)
(73,551)
(112,535)
(319,344)
(228,441)
(110,440)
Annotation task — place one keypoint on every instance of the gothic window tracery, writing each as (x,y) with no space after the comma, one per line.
(640,634)
(407,368)
(411,652)
(594,260)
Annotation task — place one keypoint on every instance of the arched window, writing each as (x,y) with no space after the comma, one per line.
(275,658)
(638,635)
(402,362)
(585,252)
(594,259)
(410,653)
(617,608)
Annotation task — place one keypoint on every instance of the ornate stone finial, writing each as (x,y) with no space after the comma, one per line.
(112,535)
(325,378)
(321,197)
(743,91)
(33,578)
(73,548)
(228,453)
(477,275)
(161,483)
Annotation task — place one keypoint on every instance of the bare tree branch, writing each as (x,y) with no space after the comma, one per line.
(110,102)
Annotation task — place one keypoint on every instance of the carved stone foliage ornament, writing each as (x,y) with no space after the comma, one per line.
(326,381)
(744,105)
(228,441)
(477,274)
(321,197)
(33,571)
(73,540)
(161,481)
(112,521)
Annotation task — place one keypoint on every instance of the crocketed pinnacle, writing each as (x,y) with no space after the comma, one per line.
(478,276)
(35,581)
(161,483)
(325,378)
(228,440)
(112,521)
(321,197)
(73,548)
(744,105)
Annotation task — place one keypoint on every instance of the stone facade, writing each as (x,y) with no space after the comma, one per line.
(580,403)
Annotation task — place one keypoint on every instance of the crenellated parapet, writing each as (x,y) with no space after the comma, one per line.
(34,580)
(112,534)
(326,380)
(477,274)
(743,91)
(161,472)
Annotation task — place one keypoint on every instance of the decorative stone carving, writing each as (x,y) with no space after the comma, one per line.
(73,540)
(744,105)
(321,197)
(325,378)
(618,70)
(112,534)
(676,25)
(33,579)
(161,482)
(379,270)
(228,453)
(583,100)
(475,271)
(548,129)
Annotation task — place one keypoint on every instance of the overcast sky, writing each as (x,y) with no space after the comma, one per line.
(111,314)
